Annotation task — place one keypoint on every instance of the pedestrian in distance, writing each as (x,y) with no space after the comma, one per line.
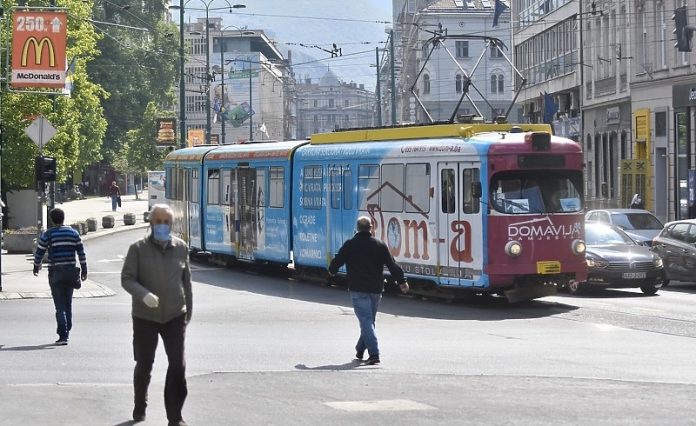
(62,243)
(115,194)
(637,202)
(157,274)
(365,258)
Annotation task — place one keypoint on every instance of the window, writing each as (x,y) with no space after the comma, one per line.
(277,189)
(195,186)
(168,183)
(458,83)
(425,51)
(470,203)
(426,84)
(447,190)
(335,188)
(311,187)
(494,83)
(495,52)
(462,48)
(181,182)
(315,103)
(368,180)
(501,84)
(214,186)
(346,103)
(417,188)
(347,190)
(497,83)
(332,103)
(679,232)
(392,188)
(661,123)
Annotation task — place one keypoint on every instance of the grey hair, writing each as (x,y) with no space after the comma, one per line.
(162,207)
(364,224)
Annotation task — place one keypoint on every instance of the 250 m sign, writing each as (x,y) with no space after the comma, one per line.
(38,49)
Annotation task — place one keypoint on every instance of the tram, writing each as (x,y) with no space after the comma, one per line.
(464,208)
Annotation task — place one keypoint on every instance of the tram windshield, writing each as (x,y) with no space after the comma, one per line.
(537,191)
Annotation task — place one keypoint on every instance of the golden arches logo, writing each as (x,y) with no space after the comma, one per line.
(38,51)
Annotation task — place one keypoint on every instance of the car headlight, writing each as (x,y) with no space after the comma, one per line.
(594,262)
(578,246)
(657,262)
(513,248)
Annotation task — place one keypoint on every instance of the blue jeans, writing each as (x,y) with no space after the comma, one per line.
(114,203)
(62,300)
(365,306)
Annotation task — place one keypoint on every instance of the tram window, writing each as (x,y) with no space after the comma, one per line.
(175,183)
(312,188)
(448,191)
(392,193)
(182,184)
(537,192)
(347,190)
(417,188)
(168,181)
(368,182)
(471,205)
(214,186)
(195,186)
(335,188)
(277,191)
(261,198)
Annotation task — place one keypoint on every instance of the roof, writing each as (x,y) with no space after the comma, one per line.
(189,154)
(247,151)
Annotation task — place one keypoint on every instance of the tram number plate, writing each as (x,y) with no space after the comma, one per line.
(633,275)
(548,267)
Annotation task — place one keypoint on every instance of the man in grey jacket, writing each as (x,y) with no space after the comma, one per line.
(157,274)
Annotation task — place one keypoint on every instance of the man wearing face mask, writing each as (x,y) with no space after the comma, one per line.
(157,274)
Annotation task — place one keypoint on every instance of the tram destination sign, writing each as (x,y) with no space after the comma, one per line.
(39,48)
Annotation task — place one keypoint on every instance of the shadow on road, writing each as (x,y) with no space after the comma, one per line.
(127,423)
(476,308)
(347,366)
(605,293)
(27,348)
(680,287)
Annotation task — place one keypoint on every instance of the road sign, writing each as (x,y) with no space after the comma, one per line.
(40,131)
(38,48)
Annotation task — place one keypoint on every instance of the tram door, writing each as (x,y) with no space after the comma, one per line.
(246,209)
(334,210)
(457,211)
(228,218)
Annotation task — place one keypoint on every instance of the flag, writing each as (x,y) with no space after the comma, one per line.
(263,129)
(550,108)
(500,7)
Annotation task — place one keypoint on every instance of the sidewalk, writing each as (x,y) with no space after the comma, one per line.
(18,282)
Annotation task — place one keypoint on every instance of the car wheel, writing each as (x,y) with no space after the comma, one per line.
(648,289)
(665,283)
(575,287)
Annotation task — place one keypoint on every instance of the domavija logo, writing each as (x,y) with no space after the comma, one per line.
(542,228)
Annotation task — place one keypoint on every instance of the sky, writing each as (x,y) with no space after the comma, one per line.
(352,25)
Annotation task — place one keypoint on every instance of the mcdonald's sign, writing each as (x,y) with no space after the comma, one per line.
(39,49)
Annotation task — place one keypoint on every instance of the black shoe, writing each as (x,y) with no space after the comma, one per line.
(138,416)
(178,423)
(61,342)
(360,354)
(372,360)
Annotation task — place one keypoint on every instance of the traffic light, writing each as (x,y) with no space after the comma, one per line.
(682,29)
(45,168)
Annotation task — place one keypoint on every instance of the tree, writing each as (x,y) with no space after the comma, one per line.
(137,67)
(78,118)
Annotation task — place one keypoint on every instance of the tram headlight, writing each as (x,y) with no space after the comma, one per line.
(513,248)
(578,247)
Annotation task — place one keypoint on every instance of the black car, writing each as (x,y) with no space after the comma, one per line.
(676,245)
(614,260)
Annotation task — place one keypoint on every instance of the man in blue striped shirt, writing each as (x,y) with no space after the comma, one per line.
(62,242)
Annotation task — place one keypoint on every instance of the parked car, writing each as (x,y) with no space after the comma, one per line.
(676,245)
(615,260)
(641,225)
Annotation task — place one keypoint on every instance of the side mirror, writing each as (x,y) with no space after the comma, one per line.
(476,190)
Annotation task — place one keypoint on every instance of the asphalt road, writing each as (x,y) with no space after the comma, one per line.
(268,350)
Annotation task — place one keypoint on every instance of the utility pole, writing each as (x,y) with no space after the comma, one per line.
(182,81)
(208,122)
(378,91)
(222,89)
(393,78)
(251,110)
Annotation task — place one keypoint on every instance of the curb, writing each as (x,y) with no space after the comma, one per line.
(121,228)
(101,291)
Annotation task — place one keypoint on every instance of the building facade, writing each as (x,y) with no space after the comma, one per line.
(331,104)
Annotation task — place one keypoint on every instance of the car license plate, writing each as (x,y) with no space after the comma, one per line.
(546,267)
(633,275)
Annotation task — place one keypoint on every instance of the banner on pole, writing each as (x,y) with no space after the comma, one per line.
(39,48)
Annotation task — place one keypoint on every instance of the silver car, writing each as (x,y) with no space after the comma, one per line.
(641,225)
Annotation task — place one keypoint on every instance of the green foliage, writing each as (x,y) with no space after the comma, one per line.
(136,67)
(78,118)
(139,153)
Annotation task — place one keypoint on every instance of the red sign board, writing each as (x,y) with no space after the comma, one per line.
(39,48)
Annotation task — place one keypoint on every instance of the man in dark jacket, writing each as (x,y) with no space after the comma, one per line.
(365,258)
(157,274)
(62,243)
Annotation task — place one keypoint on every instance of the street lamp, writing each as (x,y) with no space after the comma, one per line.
(222,73)
(182,82)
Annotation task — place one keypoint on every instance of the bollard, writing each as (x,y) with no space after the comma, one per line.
(129,219)
(92,224)
(108,221)
(146,216)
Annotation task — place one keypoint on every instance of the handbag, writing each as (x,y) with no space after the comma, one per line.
(118,200)
(64,276)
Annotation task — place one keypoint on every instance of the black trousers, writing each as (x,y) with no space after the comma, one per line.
(145,337)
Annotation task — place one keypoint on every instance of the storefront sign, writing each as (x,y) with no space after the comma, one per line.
(38,49)
(166,131)
(613,115)
(684,95)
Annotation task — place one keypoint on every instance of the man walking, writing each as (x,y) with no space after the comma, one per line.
(365,258)
(157,274)
(115,194)
(62,243)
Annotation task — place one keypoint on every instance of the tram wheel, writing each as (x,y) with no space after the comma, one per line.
(575,287)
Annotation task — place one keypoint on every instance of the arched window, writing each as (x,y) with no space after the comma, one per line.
(501,84)
(494,83)
(497,83)
(458,83)
(426,84)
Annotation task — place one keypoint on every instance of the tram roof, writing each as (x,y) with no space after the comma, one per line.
(195,153)
(422,132)
(254,150)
